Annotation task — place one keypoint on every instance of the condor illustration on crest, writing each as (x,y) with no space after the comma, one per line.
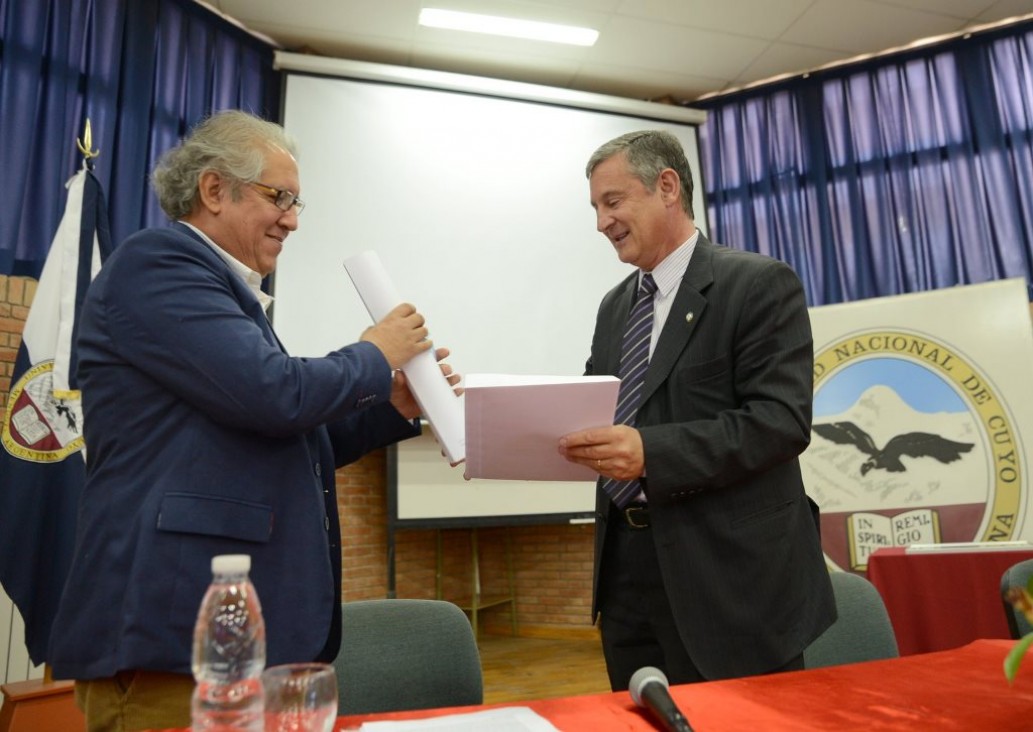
(910,444)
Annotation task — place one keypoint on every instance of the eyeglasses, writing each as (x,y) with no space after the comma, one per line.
(281,198)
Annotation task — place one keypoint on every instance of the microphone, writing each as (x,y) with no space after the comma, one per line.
(648,687)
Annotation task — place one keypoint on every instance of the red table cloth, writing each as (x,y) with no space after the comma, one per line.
(940,600)
(958,689)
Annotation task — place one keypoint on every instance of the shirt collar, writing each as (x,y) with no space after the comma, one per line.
(251,278)
(669,273)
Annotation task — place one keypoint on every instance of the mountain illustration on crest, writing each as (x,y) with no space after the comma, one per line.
(834,471)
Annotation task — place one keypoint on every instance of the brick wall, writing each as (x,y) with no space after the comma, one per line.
(552,564)
(16,295)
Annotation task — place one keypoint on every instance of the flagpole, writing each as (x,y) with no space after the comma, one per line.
(85,145)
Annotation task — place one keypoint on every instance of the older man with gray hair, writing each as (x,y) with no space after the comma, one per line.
(205,437)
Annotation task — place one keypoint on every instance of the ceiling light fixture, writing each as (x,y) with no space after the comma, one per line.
(494,25)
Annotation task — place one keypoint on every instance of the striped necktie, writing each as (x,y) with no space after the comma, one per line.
(634,362)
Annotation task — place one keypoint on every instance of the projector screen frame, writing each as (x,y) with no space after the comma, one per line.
(484,86)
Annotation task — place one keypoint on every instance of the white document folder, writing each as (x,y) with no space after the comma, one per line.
(513,423)
(437,400)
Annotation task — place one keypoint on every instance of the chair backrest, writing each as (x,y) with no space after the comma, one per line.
(1017,575)
(862,632)
(406,654)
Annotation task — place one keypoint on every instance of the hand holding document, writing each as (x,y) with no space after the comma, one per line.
(511,425)
(437,400)
(514,423)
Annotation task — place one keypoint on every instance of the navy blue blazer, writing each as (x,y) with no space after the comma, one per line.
(726,410)
(204,437)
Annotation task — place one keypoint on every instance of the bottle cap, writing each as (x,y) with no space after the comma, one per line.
(231,564)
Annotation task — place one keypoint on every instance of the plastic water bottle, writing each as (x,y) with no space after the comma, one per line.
(229,651)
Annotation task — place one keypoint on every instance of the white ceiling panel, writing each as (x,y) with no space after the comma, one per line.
(596,6)
(468,45)
(533,70)
(756,18)
(646,49)
(860,26)
(963,9)
(677,49)
(1005,9)
(565,13)
(623,81)
(344,45)
(394,19)
(785,58)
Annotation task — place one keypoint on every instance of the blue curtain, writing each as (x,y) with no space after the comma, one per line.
(910,173)
(142,71)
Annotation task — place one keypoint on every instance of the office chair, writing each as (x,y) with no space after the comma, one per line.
(406,654)
(862,632)
(1017,575)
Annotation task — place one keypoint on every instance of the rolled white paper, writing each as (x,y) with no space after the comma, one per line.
(438,402)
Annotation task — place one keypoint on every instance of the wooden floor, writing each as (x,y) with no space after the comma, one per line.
(517,669)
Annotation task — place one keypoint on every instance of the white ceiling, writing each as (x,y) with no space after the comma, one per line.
(647,49)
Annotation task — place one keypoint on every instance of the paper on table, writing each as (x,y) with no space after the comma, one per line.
(513,423)
(438,402)
(967,546)
(506,719)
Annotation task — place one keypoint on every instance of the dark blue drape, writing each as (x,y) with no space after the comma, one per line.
(910,173)
(142,71)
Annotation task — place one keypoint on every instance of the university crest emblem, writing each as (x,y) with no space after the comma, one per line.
(39,427)
(911,444)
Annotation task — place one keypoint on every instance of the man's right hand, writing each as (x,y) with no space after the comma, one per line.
(399,336)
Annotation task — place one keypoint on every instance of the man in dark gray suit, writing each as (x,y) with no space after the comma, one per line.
(714,569)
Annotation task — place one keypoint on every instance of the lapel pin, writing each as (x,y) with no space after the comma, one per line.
(688,317)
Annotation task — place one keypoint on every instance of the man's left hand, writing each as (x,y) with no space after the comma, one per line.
(613,452)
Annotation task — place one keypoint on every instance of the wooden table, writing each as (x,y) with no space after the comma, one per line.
(37,705)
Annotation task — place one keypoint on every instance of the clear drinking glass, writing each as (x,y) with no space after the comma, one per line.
(300,697)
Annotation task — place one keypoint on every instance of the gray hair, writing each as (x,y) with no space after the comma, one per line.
(649,153)
(232,143)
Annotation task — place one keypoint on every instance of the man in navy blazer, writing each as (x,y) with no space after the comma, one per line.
(715,568)
(205,437)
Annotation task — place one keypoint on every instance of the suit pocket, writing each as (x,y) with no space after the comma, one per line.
(690,373)
(705,389)
(770,522)
(191,513)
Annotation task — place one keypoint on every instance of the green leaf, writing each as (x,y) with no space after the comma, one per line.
(1015,656)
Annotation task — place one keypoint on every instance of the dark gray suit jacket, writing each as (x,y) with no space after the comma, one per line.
(725,413)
